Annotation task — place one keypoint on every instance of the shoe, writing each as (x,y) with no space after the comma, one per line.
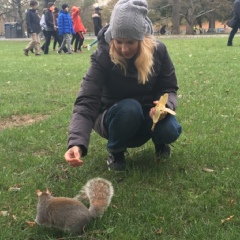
(162,151)
(37,54)
(229,44)
(25,51)
(59,51)
(116,161)
(88,47)
(69,52)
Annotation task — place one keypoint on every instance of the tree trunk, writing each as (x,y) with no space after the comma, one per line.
(20,15)
(212,19)
(175,17)
(189,29)
(190,19)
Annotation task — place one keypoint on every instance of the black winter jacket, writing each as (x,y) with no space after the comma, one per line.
(50,20)
(236,9)
(33,21)
(97,23)
(235,21)
(105,84)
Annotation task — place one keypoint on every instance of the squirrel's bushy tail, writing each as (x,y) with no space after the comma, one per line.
(99,192)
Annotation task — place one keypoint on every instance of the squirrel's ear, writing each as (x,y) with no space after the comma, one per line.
(39,193)
(47,191)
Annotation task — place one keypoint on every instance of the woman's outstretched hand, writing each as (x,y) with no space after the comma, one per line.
(73,156)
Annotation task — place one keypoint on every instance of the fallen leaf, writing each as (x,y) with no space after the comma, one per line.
(159,231)
(4,213)
(232,202)
(227,219)
(207,170)
(31,224)
(14,217)
(14,189)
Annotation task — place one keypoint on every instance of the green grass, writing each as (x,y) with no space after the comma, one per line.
(175,196)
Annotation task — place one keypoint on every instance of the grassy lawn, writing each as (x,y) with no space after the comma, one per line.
(177,199)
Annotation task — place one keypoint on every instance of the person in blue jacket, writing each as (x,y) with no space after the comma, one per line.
(65,28)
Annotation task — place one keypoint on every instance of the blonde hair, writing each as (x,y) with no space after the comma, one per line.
(144,58)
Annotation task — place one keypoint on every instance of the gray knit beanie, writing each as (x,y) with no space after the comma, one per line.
(129,20)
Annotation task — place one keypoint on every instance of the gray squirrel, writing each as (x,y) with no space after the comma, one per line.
(70,214)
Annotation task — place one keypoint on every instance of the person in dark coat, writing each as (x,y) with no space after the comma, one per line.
(33,29)
(129,72)
(234,23)
(97,23)
(163,29)
(65,28)
(56,13)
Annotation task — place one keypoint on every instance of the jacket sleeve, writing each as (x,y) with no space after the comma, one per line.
(49,19)
(236,10)
(28,22)
(83,29)
(167,80)
(71,25)
(86,107)
(60,24)
(42,22)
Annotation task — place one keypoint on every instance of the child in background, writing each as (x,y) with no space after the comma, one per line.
(65,28)
(78,28)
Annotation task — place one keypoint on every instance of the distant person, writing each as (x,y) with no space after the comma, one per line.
(51,26)
(56,13)
(234,23)
(194,30)
(65,28)
(33,29)
(43,26)
(97,23)
(163,30)
(78,28)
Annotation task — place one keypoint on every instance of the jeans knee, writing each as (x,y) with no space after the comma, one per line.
(173,134)
(167,131)
(131,106)
(128,112)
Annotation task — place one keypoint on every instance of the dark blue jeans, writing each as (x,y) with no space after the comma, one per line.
(129,125)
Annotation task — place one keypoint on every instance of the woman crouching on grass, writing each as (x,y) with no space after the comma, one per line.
(129,72)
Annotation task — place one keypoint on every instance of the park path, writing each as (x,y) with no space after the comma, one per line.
(158,36)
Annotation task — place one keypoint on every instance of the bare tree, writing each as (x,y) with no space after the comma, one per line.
(175,17)
(12,10)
